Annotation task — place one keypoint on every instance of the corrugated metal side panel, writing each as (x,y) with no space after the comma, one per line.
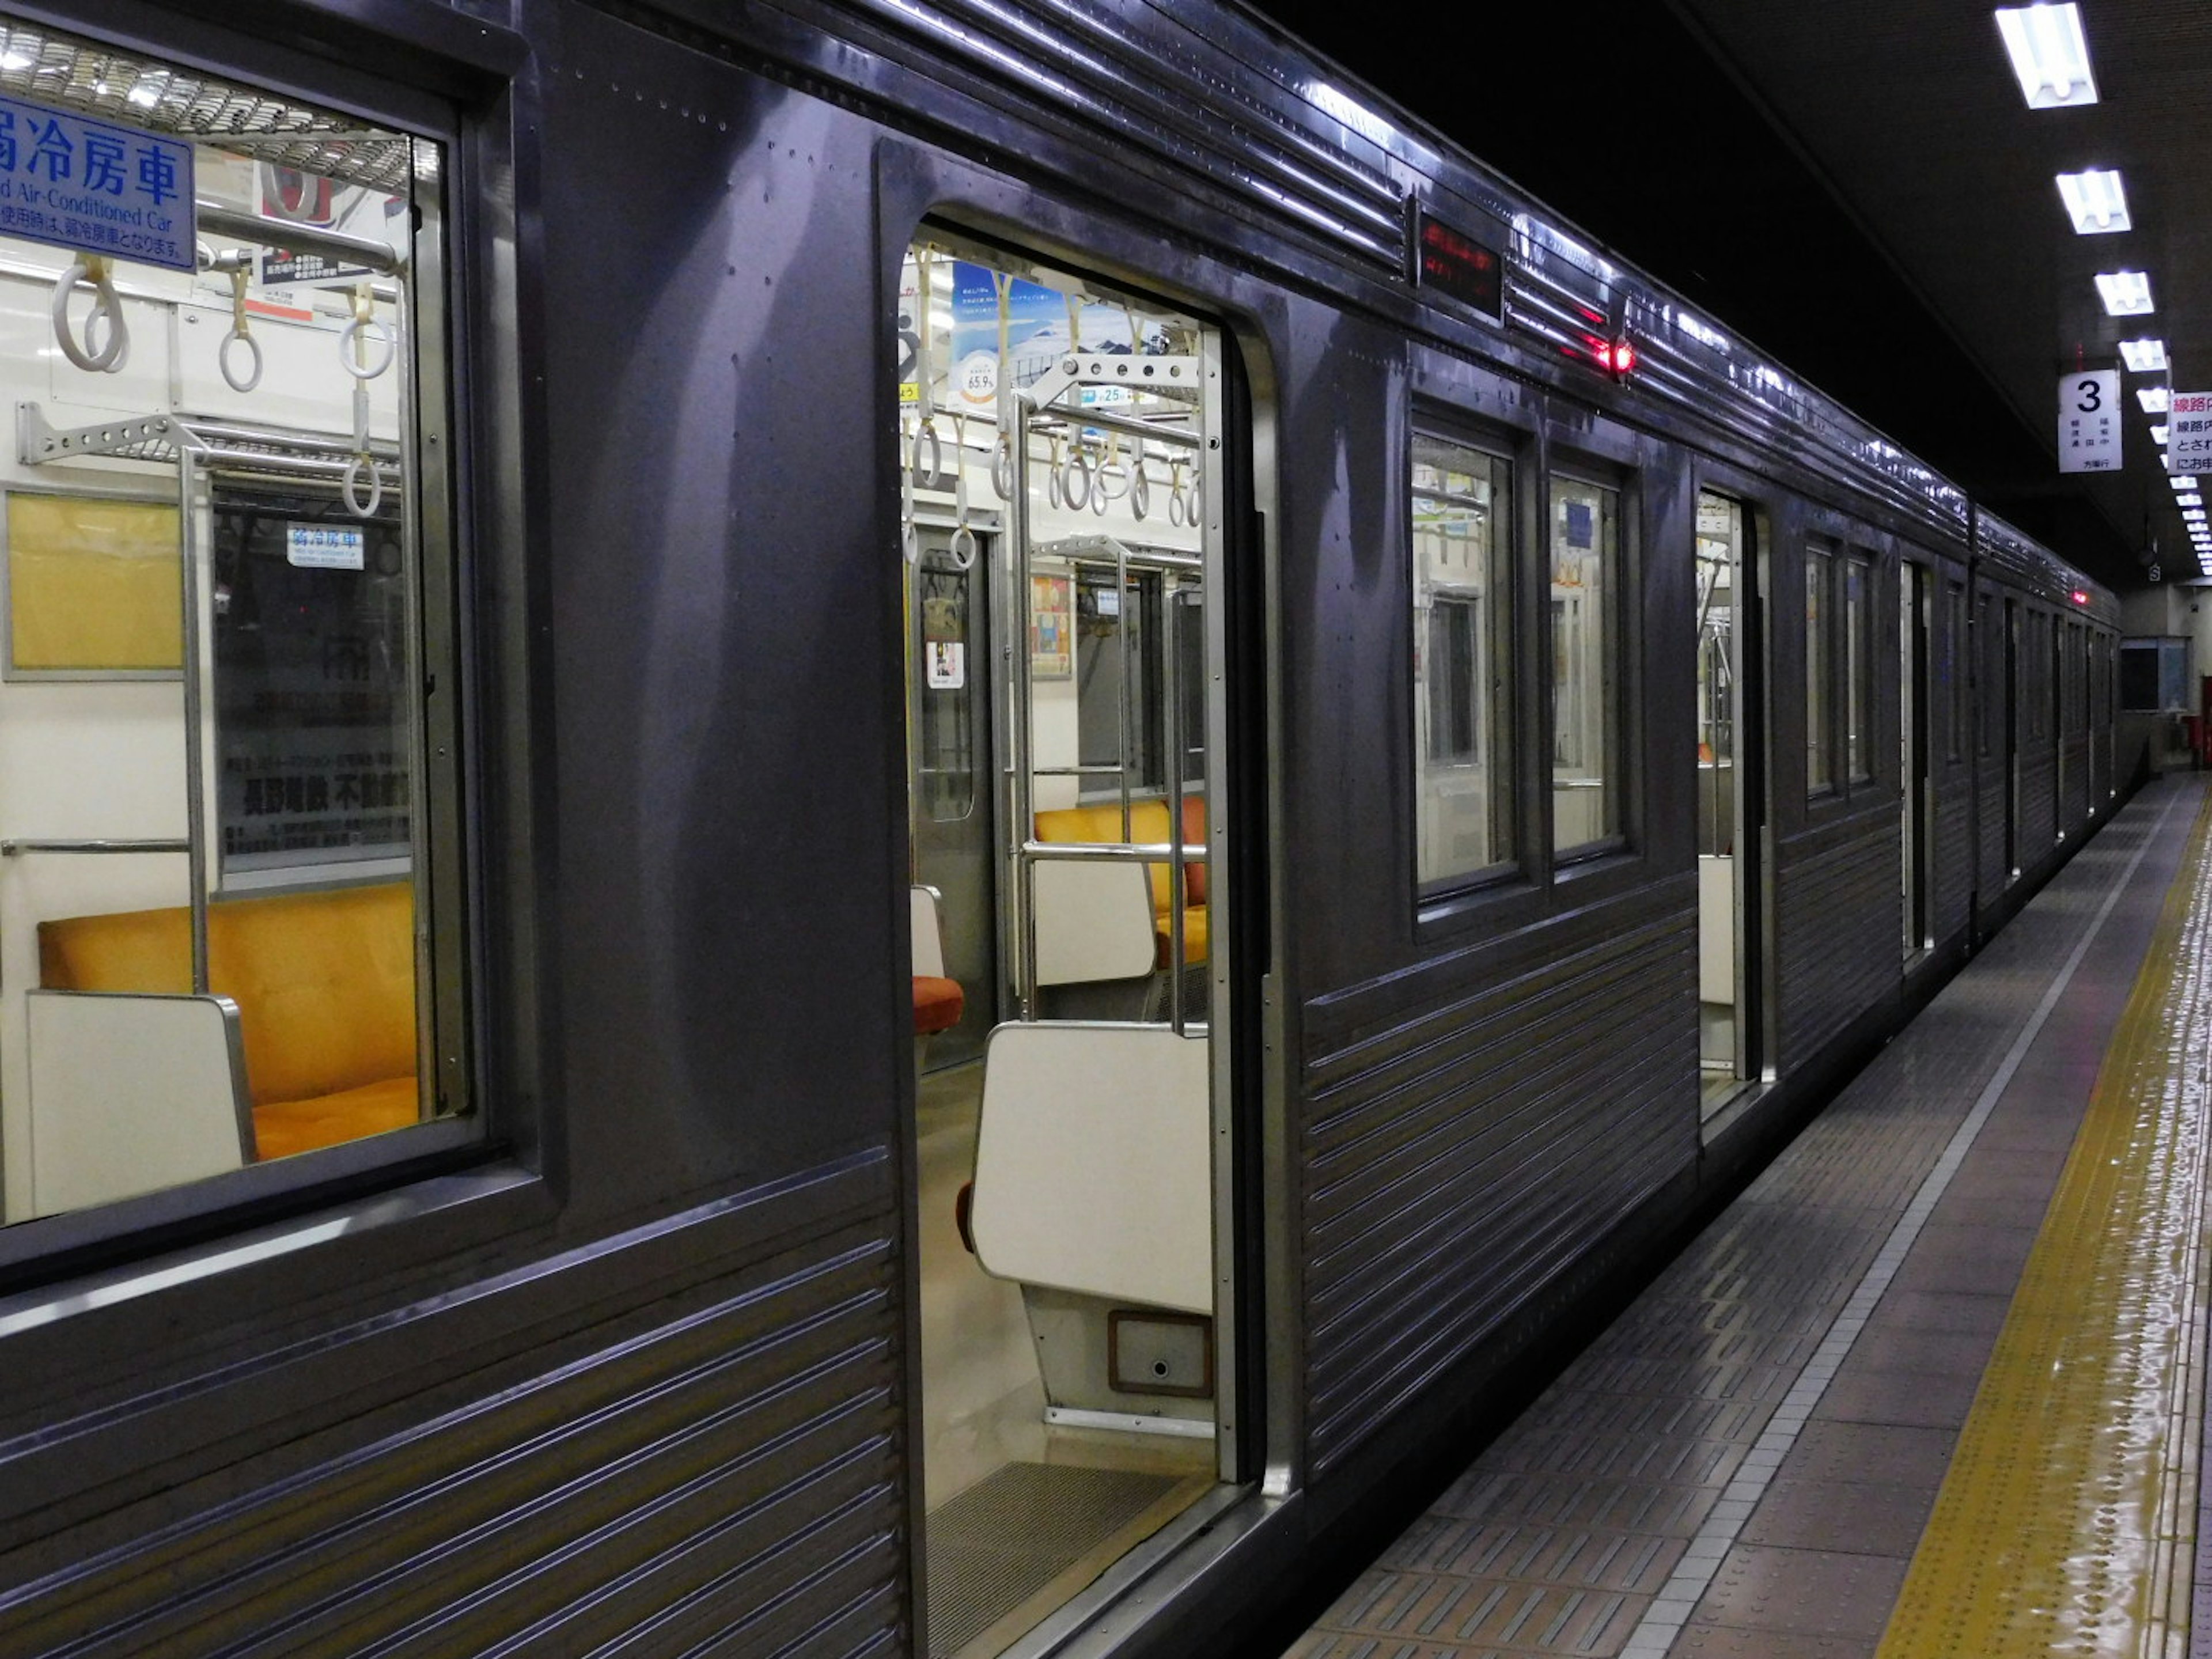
(2038,781)
(1954,857)
(2076,803)
(1461,1150)
(1837,928)
(723,1465)
(1996,793)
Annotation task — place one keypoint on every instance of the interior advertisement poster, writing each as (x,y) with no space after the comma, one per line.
(1042,326)
(1051,627)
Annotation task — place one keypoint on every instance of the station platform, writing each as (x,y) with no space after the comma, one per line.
(1934,1384)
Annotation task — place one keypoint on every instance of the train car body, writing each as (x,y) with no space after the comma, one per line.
(884,486)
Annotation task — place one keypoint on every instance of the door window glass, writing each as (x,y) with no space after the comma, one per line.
(1858,646)
(1584,556)
(1462,660)
(1819,751)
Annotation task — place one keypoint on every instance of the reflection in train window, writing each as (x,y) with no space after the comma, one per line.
(1858,664)
(1820,588)
(1462,660)
(1585,634)
(213,951)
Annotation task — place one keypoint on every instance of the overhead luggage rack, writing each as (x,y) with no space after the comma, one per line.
(226,447)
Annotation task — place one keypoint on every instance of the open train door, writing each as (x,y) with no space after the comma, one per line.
(1064,454)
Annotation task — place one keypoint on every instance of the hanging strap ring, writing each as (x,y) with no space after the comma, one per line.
(252,379)
(1141,490)
(963,547)
(104,359)
(926,432)
(356,332)
(359,468)
(1002,466)
(237,381)
(1079,466)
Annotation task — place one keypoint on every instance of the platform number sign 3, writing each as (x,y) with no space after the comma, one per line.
(2089,420)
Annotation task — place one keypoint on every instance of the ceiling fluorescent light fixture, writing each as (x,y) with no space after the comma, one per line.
(2183,481)
(2094,200)
(2153,399)
(2048,55)
(2158,434)
(2143,356)
(2125,293)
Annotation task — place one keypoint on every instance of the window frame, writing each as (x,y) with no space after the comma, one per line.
(1505,728)
(1862,766)
(468,1173)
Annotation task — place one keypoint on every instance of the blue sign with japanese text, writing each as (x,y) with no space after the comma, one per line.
(95,187)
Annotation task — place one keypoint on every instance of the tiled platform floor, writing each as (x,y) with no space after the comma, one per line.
(1743,1464)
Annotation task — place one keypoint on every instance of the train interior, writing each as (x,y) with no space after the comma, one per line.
(1726,971)
(1058,458)
(208,747)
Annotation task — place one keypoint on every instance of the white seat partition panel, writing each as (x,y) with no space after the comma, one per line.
(1094,1163)
(928,932)
(1094,921)
(1715,929)
(130,1094)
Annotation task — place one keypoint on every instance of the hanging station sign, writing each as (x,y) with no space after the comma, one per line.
(2189,432)
(95,187)
(2089,420)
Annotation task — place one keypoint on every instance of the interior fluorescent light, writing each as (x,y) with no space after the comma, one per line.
(2158,433)
(2125,293)
(2094,200)
(2143,356)
(2182,481)
(2188,498)
(2153,399)
(2048,54)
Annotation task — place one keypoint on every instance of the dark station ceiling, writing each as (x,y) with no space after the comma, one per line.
(1864,191)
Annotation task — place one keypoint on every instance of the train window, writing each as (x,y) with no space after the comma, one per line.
(1955,669)
(1585,568)
(1462,661)
(1990,676)
(1858,666)
(214,936)
(1820,725)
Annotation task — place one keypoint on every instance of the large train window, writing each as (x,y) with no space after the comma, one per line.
(216,723)
(1955,669)
(1585,574)
(1858,669)
(1462,661)
(1820,606)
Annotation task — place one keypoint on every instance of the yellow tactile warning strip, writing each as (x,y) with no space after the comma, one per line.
(2067,1522)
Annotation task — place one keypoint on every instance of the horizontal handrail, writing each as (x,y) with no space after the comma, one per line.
(1109,852)
(10,849)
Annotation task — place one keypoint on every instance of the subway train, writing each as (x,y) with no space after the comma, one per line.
(1373,760)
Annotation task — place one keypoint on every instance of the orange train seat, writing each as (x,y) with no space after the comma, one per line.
(938,1004)
(1148,825)
(324,985)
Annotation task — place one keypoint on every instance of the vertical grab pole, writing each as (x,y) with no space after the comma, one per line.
(1171,746)
(1128,715)
(1023,735)
(196,854)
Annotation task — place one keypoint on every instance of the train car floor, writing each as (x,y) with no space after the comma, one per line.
(1934,1383)
(1021,1515)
